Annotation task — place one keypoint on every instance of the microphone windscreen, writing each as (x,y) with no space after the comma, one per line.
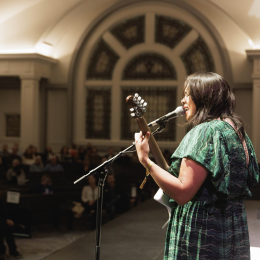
(180,111)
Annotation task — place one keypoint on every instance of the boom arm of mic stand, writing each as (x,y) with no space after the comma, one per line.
(105,164)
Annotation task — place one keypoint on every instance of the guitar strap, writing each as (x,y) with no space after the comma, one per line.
(230,122)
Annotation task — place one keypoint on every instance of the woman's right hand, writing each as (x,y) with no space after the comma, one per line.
(142,147)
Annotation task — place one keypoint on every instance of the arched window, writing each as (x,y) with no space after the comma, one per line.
(148,54)
(160,99)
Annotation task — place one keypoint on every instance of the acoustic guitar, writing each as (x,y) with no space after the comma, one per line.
(138,108)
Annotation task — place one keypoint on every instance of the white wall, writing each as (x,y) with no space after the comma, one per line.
(56,119)
(9,104)
(244,107)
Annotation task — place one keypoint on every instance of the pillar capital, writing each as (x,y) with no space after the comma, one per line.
(30,65)
(254,55)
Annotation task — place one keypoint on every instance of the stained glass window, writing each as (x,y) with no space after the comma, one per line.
(98,113)
(102,62)
(161,100)
(198,57)
(169,31)
(130,32)
(149,66)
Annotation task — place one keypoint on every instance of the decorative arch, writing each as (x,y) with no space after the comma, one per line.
(145,30)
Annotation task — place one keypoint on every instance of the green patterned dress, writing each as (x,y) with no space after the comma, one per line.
(213,225)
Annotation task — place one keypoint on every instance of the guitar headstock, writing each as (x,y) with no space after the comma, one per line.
(137,105)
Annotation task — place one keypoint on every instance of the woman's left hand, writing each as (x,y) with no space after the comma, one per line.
(142,147)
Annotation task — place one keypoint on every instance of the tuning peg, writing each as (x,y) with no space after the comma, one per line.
(132,114)
(136,95)
(142,101)
(132,109)
(145,104)
(139,98)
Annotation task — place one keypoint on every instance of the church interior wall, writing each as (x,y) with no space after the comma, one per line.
(56,132)
(9,104)
(73,36)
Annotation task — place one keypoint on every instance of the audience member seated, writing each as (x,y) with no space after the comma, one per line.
(88,204)
(37,166)
(16,148)
(85,167)
(115,199)
(14,155)
(34,151)
(53,166)
(123,159)
(48,153)
(110,153)
(88,150)
(134,158)
(89,196)
(45,186)
(65,155)
(6,234)
(73,152)
(95,158)
(16,175)
(4,154)
(28,157)
(81,154)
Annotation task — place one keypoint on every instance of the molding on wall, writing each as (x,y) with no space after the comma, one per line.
(224,57)
(253,54)
(27,56)
(63,87)
(243,86)
(28,65)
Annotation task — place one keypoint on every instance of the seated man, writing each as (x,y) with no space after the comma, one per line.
(37,166)
(6,234)
(53,166)
(16,175)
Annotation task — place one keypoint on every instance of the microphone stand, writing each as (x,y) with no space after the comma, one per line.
(101,183)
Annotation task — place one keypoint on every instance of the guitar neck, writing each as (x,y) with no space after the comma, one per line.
(157,154)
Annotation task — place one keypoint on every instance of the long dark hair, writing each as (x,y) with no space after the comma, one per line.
(213,98)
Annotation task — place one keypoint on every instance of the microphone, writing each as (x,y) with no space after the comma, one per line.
(179,111)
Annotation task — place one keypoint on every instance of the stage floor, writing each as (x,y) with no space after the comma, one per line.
(138,234)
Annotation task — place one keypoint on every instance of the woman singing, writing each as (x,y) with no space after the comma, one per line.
(209,177)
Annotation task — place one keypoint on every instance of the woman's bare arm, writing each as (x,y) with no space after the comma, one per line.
(182,189)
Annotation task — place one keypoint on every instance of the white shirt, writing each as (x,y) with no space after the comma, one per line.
(88,193)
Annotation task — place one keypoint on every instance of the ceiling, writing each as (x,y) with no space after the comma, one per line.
(24,22)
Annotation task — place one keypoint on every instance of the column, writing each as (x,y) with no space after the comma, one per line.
(256,117)
(30,128)
(255,56)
